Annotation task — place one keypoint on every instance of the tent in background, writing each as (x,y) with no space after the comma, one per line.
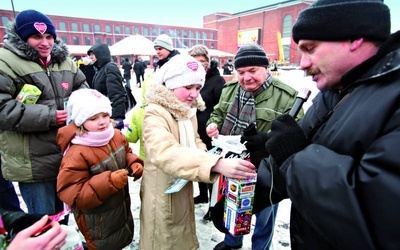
(133,45)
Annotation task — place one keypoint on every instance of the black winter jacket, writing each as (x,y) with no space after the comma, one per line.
(108,80)
(210,93)
(345,185)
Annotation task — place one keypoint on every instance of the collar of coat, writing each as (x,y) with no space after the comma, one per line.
(160,95)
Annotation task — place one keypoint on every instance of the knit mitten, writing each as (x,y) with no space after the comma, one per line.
(119,178)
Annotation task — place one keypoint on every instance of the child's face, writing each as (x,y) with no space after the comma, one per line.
(187,94)
(97,123)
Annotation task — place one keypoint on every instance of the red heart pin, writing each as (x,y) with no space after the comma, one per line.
(193,66)
(41,27)
(65,85)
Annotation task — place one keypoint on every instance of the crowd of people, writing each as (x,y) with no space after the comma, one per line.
(62,137)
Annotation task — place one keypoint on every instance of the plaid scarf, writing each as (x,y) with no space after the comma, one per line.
(243,110)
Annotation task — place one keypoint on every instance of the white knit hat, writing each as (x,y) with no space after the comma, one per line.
(85,103)
(182,70)
(164,41)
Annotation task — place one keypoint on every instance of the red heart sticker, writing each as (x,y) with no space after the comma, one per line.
(41,27)
(65,85)
(193,66)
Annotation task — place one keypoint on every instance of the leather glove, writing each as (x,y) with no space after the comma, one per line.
(136,170)
(119,178)
(254,140)
(119,124)
(286,138)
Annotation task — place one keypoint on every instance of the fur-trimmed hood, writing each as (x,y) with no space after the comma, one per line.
(21,48)
(159,94)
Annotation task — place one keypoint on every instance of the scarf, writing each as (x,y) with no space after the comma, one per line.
(186,132)
(95,139)
(243,110)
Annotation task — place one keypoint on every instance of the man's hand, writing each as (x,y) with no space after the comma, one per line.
(254,140)
(61,116)
(286,138)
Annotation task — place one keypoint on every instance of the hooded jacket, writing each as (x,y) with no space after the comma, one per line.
(167,221)
(108,80)
(344,186)
(101,211)
(28,131)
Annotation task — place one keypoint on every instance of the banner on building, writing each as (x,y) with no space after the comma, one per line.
(248,36)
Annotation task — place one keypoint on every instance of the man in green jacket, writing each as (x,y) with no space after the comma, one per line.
(256,97)
(33,58)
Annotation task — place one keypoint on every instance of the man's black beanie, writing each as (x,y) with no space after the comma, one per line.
(337,20)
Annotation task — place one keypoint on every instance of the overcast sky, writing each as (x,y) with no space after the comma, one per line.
(168,12)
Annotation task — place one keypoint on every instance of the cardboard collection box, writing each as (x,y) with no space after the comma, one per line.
(238,205)
(239,193)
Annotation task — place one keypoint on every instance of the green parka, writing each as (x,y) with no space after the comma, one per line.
(28,131)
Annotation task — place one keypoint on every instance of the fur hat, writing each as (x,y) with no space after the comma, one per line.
(200,50)
(164,41)
(250,55)
(30,22)
(85,103)
(182,70)
(335,20)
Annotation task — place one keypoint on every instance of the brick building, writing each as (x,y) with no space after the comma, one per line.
(221,31)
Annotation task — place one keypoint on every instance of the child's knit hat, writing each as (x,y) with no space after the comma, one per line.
(85,103)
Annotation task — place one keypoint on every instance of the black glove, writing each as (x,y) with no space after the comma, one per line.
(286,138)
(119,124)
(254,140)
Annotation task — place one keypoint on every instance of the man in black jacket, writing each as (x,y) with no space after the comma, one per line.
(340,165)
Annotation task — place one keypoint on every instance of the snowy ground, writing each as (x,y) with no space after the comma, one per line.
(209,236)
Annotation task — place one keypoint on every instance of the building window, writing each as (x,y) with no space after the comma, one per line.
(153,31)
(65,39)
(287,26)
(108,41)
(161,31)
(204,36)
(117,30)
(184,34)
(127,30)
(88,41)
(76,40)
(212,36)
(4,20)
(97,28)
(137,31)
(145,31)
(108,29)
(212,46)
(191,34)
(62,26)
(98,40)
(86,27)
(171,33)
(118,39)
(74,27)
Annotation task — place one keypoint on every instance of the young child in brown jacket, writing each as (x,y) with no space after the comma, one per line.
(94,172)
